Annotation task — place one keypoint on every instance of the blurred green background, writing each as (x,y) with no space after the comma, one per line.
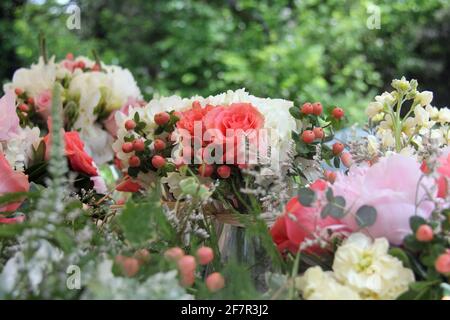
(319,50)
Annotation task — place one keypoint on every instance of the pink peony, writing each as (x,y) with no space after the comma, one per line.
(11,181)
(9,121)
(390,187)
(44,103)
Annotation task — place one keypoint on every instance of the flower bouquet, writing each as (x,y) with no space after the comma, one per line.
(91,92)
(381,229)
(24,156)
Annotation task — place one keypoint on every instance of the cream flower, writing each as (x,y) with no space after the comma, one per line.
(386,99)
(373,146)
(374,108)
(444,116)
(19,150)
(366,267)
(316,284)
(38,78)
(424,98)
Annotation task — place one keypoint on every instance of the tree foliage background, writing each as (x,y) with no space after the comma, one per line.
(319,50)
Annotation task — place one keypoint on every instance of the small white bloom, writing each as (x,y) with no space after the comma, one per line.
(424,98)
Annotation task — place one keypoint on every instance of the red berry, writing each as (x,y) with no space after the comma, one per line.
(158,161)
(346,159)
(130,266)
(174,254)
(80,64)
(139,145)
(159,145)
(424,233)
(442,263)
(134,161)
(23,107)
(130,125)
(187,264)
(337,113)
(205,255)
(224,171)
(307,108)
(18,91)
(205,170)
(127,147)
(308,136)
(69,56)
(317,108)
(30,100)
(318,133)
(162,118)
(96,67)
(330,176)
(215,282)
(338,148)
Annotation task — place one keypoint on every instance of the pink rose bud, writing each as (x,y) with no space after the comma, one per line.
(205,255)
(174,254)
(215,282)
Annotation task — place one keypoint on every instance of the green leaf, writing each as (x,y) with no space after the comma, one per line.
(295,112)
(330,195)
(366,216)
(335,208)
(336,162)
(306,196)
(401,255)
(415,222)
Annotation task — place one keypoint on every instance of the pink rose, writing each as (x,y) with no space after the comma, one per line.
(9,121)
(43,103)
(11,181)
(240,117)
(110,122)
(289,234)
(390,187)
(189,117)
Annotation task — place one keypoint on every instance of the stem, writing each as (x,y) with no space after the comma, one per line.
(43,47)
(398,125)
(293,274)
(97,58)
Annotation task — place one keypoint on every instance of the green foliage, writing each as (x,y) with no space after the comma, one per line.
(310,50)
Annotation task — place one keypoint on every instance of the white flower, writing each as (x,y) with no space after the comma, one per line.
(424,98)
(433,112)
(374,108)
(19,150)
(444,116)
(38,78)
(120,86)
(401,85)
(386,99)
(97,143)
(367,268)
(373,145)
(316,284)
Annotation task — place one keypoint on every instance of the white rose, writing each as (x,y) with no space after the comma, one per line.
(444,115)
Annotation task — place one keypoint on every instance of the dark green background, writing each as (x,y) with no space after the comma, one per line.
(300,50)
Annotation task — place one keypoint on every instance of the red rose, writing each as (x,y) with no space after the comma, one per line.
(128,185)
(11,181)
(289,234)
(79,160)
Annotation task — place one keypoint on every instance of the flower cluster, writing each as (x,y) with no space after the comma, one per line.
(91,93)
(404,118)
